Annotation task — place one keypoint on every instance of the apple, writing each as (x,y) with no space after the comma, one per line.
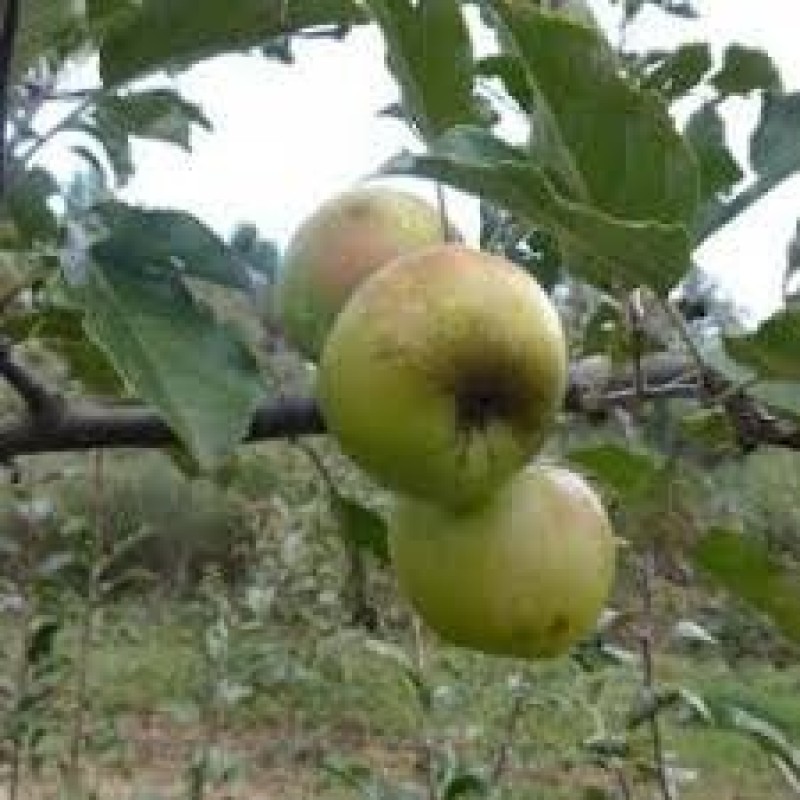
(443,373)
(346,239)
(526,574)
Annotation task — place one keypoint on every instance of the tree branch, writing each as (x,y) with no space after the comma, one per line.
(88,427)
(39,398)
(7,36)
(54,425)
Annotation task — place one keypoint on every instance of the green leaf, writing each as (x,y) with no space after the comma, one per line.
(781,396)
(647,706)
(710,428)
(680,71)
(60,329)
(773,351)
(465,783)
(688,630)
(430,55)
(41,638)
(625,471)
(396,656)
(45,29)
(510,71)
(775,145)
(744,567)
(115,142)
(154,114)
(771,738)
(173,354)
(744,70)
(170,240)
(625,155)
(614,253)
(121,552)
(171,35)
(604,747)
(774,155)
(696,705)
(719,170)
(27,204)
(362,526)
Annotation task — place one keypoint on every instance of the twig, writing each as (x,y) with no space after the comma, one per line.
(60,126)
(647,573)
(636,323)
(504,750)
(428,750)
(647,568)
(7,36)
(679,323)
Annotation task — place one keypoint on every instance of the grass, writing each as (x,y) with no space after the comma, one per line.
(336,699)
(320,693)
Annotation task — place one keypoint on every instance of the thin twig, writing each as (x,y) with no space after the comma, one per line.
(679,323)
(647,566)
(428,750)
(647,573)
(504,750)
(60,126)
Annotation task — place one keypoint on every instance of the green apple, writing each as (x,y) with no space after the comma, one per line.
(346,239)
(443,373)
(526,574)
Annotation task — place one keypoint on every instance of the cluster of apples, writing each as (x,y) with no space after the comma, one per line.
(441,369)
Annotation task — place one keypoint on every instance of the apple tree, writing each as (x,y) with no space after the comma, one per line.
(604,200)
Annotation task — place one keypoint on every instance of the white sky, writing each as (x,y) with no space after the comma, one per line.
(287,137)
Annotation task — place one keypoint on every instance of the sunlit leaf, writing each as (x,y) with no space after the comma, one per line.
(613,253)
(690,631)
(745,568)
(680,71)
(430,54)
(773,351)
(626,471)
(623,151)
(173,354)
(774,155)
(168,35)
(170,240)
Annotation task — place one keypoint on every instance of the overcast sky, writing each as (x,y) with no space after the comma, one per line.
(287,137)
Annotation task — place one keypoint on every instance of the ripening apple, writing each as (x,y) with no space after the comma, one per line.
(345,240)
(443,373)
(526,574)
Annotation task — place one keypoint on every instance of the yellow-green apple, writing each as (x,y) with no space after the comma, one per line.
(525,574)
(443,373)
(346,239)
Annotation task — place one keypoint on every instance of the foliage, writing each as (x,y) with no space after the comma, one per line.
(128,311)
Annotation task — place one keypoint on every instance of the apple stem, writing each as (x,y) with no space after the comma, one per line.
(448,231)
